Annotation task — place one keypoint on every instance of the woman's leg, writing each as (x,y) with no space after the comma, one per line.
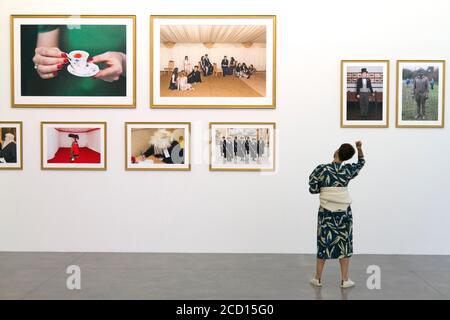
(344,268)
(320,264)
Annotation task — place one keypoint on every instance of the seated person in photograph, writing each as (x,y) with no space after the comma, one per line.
(74,148)
(187,65)
(163,147)
(183,84)
(173,85)
(250,71)
(363,91)
(195,76)
(421,90)
(232,66)
(106,45)
(238,70)
(244,70)
(208,66)
(224,66)
(8,149)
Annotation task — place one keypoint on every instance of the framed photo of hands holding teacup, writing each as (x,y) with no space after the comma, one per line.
(73,61)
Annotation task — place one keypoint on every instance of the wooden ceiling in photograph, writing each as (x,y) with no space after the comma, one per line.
(213,34)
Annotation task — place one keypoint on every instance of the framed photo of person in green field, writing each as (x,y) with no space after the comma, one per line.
(73,61)
(420,93)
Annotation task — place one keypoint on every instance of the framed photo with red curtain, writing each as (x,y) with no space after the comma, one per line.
(73,145)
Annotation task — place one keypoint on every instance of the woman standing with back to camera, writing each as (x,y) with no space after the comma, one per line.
(335,222)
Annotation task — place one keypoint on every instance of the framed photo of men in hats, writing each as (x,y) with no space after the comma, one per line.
(364,93)
(420,93)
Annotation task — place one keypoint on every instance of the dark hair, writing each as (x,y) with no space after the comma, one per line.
(346,152)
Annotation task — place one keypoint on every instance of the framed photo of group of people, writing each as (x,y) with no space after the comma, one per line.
(241,146)
(420,96)
(214,61)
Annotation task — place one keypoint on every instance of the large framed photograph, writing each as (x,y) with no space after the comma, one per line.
(241,146)
(364,93)
(420,93)
(73,61)
(213,61)
(158,146)
(11,145)
(73,145)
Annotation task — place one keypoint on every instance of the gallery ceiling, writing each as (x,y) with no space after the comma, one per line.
(215,34)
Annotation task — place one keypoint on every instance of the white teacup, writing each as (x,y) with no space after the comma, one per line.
(78,59)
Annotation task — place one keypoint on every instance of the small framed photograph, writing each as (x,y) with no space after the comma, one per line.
(241,146)
(63,61)
(73,145)
(364,93)
(420,93)
(158,146)
(215,61)
(11,145)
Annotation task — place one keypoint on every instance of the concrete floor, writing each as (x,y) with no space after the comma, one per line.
(216,276)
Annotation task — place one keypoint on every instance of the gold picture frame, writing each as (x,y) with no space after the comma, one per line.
(105,154)
(55,105)
(398,103)
(20,125)
(385,96)
(163,124)
(273,148)
(271,105)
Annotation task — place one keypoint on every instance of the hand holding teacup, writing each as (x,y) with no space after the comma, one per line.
(48,61)
(116,65)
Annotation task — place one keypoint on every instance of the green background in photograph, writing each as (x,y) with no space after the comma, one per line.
(409,106)
(95,39)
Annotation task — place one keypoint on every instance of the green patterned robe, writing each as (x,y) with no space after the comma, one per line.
(334,229)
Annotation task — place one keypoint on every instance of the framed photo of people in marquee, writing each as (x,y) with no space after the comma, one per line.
(215,61)
(64,61)
(364,93)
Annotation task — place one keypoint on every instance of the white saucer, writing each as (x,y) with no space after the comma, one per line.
(91,70)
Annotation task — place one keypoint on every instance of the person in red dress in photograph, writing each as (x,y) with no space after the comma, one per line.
(74,149)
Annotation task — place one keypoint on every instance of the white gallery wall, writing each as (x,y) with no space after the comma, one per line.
(401,198)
